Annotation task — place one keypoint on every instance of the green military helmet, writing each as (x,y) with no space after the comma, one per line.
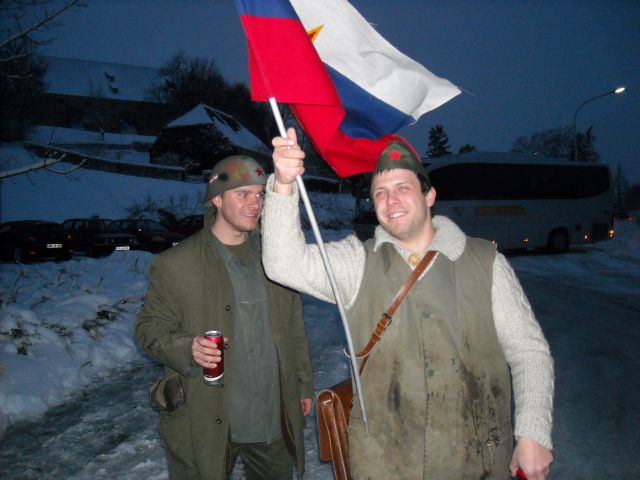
(233,172)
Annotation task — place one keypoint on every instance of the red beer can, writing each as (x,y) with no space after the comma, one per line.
(215,376)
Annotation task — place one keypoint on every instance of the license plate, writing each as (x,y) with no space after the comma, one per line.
(124,247)
(54,245)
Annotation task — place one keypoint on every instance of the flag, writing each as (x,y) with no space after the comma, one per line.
(349,89)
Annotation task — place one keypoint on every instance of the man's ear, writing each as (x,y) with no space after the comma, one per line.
(217,201)
(431,197)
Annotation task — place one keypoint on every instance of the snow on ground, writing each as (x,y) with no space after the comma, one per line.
(71,136)
(54,312)
(72,323)
(44,194)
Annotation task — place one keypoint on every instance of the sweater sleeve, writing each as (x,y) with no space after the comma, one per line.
(289,260)
(527,353)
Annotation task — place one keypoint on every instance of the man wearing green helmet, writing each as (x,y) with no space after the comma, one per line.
(214,280)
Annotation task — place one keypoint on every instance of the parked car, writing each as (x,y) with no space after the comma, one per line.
(27,240)
(364,220)
(151,235)
(620,215)
(189,225)
(96,237)
(315,183)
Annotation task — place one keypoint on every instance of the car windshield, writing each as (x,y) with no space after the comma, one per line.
(96,225)
(111,227)
(45,227)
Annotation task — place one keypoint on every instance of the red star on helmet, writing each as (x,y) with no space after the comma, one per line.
(395,155)
(259,172)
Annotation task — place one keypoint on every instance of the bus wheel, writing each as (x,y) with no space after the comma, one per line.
(558,241)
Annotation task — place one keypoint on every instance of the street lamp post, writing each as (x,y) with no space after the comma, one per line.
(615,91)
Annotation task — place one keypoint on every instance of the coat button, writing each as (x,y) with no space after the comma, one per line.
(227,307)
(219,421)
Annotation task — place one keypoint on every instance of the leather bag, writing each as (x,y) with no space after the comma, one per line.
(333,405)
(167,393)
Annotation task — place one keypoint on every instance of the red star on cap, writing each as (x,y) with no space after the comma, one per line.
(259,172)
(395,155)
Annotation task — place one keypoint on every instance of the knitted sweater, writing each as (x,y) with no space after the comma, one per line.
(290,260)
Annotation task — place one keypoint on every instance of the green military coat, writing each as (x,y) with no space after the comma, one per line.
(190,293)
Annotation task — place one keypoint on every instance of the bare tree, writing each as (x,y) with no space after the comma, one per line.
(21,19)
(559,143)
(184,82)
(25,26)
(51,157)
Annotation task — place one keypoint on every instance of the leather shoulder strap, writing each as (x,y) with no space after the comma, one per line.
(387,316)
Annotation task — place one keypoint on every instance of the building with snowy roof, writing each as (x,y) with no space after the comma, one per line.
(200,138)
(100,96)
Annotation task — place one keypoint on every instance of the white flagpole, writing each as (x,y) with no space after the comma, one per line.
(327,265)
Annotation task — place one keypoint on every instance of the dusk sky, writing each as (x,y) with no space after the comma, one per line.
(523,66)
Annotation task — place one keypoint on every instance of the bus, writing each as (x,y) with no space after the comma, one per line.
(517,201)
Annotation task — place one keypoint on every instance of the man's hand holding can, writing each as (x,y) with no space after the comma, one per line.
(208,352)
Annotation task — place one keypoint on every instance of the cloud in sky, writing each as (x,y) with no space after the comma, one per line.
(524,66)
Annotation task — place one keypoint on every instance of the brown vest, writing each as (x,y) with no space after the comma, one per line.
(437,387)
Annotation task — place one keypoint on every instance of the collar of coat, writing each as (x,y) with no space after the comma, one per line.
(448,240)
(209,218)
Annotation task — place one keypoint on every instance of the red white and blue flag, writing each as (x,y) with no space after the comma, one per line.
(349,88)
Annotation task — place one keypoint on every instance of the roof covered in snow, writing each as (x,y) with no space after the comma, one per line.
(72,76)
(225,123)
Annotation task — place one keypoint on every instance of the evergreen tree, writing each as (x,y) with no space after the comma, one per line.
(467,148)
(438,142)
(584,143)
(620,189)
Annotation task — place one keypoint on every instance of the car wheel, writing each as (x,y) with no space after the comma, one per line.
(18,255)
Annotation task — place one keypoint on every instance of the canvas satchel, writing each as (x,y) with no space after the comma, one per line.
(333,405)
